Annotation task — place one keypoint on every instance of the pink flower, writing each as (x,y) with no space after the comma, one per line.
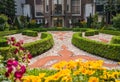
(18,74)
(13,39)
(9,63)
(23,69)
(15,63)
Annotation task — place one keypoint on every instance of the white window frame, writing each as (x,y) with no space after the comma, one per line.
(80,10)
(35,10)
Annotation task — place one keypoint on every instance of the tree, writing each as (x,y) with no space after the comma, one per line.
(3,21)
(7,7)
(116,21)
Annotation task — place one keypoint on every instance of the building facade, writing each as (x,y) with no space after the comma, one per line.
(59,13)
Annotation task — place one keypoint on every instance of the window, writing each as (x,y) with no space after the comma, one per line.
(47,5)
(39,14)
(75,6)
(57,7)
(39,21)
(39,2)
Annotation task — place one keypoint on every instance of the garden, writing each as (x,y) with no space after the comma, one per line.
(88,52)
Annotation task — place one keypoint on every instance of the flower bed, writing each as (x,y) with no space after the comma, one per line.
(110,51)
(74,71)
(35,48)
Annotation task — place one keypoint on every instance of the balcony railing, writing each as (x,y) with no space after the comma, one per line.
(58,13)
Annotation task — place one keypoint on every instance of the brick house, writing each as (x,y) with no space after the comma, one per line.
(59,13)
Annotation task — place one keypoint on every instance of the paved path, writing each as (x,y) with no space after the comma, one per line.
(64,50)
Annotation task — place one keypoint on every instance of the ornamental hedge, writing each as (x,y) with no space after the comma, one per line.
(115,40)
(30,33)
(3,42)
(35,48)
(110,51)
(117,33)
(91,33)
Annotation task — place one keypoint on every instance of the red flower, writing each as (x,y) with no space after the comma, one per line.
(18,44)
(21,48)
(16,51)
(9,63)
(13,39)
(7,74)
(29,56)
(22,69)
(10,69)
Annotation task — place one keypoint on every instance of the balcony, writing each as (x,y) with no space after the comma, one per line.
(57,10)
(58,13)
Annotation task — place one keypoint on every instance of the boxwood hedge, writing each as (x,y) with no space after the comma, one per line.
(30,33)
(117,33)
(35,48)
(3,42)
(115,40)
(91,32)
(110,51)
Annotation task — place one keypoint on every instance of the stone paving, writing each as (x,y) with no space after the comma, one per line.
(25,38)
(64,50)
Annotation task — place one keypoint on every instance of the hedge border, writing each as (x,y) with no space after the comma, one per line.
(109,51)
(35,48)
(117,33)
(30,33)
(115,40)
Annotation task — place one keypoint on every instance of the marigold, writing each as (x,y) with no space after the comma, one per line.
(93,79)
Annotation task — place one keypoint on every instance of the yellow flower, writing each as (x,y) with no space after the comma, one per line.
(71,65)
(67,79)
(93,79)
(41,75)
(117,80)
(60,65)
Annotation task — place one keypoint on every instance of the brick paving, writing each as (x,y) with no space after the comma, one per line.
(64,50)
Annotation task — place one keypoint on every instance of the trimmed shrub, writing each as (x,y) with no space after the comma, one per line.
(115,40)
(40,29)
(91,33)
(110,51)
(3,42)
(30,33)
(5,33)
(80,29)
(35,48)
(117,33)
(96,32)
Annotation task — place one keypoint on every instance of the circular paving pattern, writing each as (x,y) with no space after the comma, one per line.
(64,50)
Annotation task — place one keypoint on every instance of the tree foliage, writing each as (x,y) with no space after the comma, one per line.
(7,7)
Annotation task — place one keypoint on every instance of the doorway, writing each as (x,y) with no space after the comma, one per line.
(58,22)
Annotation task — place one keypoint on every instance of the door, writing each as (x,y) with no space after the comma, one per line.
(58,22)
